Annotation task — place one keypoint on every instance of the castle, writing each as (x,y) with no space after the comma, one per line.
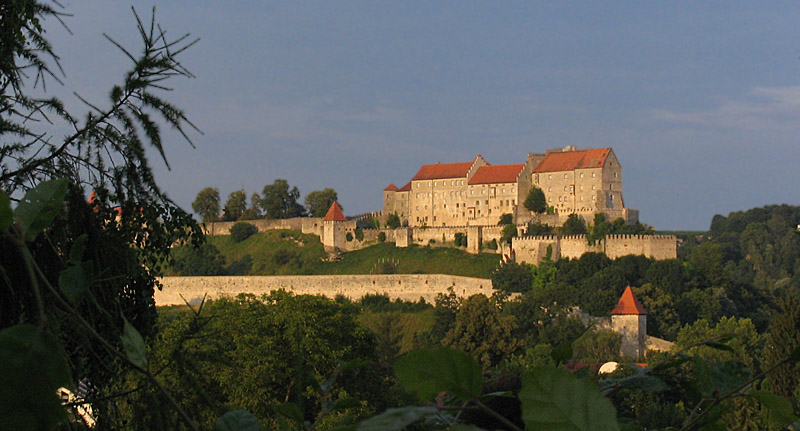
(476,193)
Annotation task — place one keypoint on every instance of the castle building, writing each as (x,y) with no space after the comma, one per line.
(585,182)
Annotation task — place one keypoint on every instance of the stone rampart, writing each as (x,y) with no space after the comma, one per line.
(408,287)
(309,225)
(532,249)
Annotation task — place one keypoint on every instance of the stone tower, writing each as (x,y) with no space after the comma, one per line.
(334,229)
(629,319)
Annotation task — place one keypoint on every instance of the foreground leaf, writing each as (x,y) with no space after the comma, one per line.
(781,413)
(431,371)
(34,366)
(5,211)
(236,420)
(396,419)
(133,344)
(74,282)
(40,206)
(553,399)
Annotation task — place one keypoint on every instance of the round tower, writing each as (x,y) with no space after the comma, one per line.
(629,319)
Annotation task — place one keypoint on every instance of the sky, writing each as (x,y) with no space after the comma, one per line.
(699,100)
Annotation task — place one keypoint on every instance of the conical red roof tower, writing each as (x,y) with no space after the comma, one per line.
(334,213)
(628,304)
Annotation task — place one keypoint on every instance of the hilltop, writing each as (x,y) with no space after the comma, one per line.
(288,252)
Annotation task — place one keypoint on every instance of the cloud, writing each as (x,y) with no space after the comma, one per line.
(763,108)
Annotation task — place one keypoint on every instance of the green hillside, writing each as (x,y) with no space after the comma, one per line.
(285,252)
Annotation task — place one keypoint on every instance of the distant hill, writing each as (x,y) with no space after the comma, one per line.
(286,252)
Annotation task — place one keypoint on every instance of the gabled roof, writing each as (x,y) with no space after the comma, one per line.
(334,213)
(497,174)
(442,170)
(628,304)
(391,188)
(571,160)
(405,188)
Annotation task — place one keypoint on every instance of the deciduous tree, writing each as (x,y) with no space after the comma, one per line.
(279,201)
(535,201)
(206,204)
(319,201)
(236,205)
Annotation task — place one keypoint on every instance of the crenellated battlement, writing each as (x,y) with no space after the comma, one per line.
(532,249)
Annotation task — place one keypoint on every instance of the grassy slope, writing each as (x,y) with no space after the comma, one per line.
(303,254)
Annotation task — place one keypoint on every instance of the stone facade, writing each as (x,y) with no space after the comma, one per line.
(583,182)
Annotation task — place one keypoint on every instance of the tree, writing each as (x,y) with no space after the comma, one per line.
(512,277)
(482,331)
(318,202)
(278,201)
(509,231)
(781,340)
(535,201)
(574,225)
(206,204)
(236,205)
(254,211)
(82,275)
(240,231)
(506,219)
(393,221)
(196,261)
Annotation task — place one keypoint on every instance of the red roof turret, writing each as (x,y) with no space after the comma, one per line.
(334,213)
(391,188)
(628,304)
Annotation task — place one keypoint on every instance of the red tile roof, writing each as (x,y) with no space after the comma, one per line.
(628,304)
(442,170)
(406,187)
(496,174)
(391,188)
(570,160)
(334,213)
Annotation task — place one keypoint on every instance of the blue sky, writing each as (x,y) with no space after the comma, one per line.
(700,100)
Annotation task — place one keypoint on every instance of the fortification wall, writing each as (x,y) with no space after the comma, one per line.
(532,249)
(438,234)
(309,225)
(408,287)
(654,246)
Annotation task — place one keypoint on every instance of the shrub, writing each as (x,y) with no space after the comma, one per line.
(382,237)
(349,237)
(393,221)
(359,234)
(492,245)
(432,241)
(241,266)
(510,231)
(512,277)
(505,219)
(241,231)
(461,240)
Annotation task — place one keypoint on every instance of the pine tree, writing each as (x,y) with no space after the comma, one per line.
(782,338)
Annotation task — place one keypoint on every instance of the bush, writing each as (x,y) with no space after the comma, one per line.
(461,240)
(536,229)
(382,237)
(241,266)
(203,260)
(512,277)
(505,219)
(492,245)
(359,234)
(393,221)
(241,231)
(510,231)
(349,237)
(431,241)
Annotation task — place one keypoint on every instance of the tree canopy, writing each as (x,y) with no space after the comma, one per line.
(278,201)
(535,201)
(319,201)
(206,204)
(235,206)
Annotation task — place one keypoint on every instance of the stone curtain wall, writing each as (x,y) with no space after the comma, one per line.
(532,249)
(309,225)
(408,287)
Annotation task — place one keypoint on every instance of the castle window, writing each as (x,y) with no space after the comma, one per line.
(549,199)
(549,177)
(594,174)
(487,201)
(549,189)
(566,176)
(565,188)
(594,187)
(616,174)
(581,188)
(581,198)
(559,198)
(612,197)
(594,198)
(483,192)
(581,174)
(611,186)
(504,190)
(417,210)
(477,203)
